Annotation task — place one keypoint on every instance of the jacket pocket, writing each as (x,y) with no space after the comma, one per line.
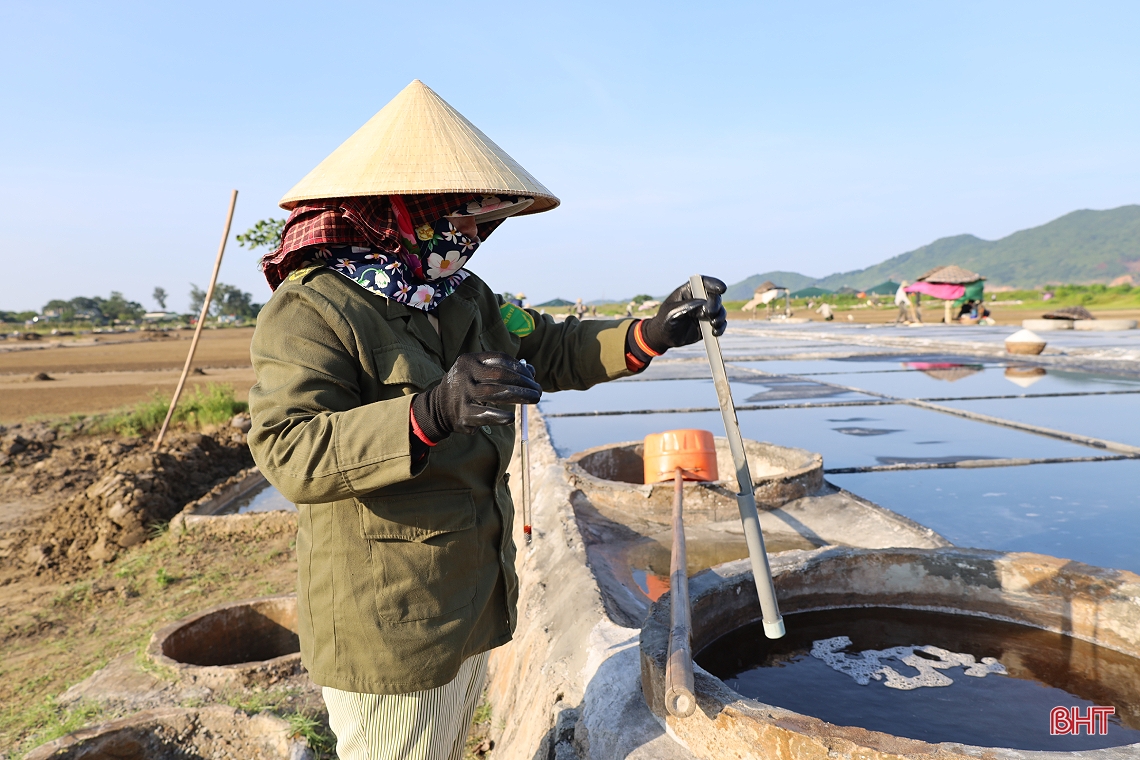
(424,553)
(404,364)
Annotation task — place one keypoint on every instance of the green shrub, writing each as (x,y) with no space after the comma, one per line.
(211,405)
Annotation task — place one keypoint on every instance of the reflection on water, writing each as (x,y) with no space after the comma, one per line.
(268,499)
(1023,377)
(946,379)
(813,429)
(649,560)
(945,371)
(1043,670)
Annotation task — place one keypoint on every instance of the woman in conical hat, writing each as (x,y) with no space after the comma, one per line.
(387,373)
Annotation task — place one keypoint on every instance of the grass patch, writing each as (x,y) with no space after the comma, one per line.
(320,738)
(73,595)
(213,404)
(63,633)
(55,721)
(479,744)
(280,702)
(253,702)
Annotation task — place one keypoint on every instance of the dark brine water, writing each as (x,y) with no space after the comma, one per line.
(944,678)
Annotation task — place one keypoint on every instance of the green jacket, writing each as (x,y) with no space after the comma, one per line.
(405,571)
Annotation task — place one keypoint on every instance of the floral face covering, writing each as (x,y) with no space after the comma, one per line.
(434,251)
(429,265)
(387,275)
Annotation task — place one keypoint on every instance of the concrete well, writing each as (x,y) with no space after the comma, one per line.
(1104,325)
(1092,606)
(247,643)
(612,477)
(1047,325)
(177,734)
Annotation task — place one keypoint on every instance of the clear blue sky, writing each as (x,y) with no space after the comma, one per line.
(732,138)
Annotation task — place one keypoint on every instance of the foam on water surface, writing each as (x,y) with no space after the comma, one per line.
(869,665)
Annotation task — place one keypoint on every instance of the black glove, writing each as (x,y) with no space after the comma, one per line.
(678,319)
(461,401)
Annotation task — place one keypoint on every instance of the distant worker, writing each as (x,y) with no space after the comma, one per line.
(629,308)
(825,310)
(580,309)
(906,309)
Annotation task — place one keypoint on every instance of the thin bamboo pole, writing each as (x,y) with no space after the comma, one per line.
(679,699)
(201,322)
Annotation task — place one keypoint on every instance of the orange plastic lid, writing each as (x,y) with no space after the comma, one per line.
(692,450)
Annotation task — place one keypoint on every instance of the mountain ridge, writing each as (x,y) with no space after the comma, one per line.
(1081,247)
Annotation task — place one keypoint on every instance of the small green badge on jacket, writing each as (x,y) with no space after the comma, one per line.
(518,321)
(300,273)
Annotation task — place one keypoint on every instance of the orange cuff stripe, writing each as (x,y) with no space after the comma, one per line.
(419,433)
(639,339)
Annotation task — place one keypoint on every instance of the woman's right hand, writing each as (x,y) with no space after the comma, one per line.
(461,403)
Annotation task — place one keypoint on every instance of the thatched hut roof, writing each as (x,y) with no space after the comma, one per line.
(950,275)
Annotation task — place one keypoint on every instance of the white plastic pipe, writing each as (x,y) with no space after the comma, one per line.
(746,499)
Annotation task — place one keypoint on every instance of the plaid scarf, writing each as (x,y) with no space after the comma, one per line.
(368,221)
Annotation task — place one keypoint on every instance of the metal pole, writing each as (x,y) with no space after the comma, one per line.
(201,321)
(525,465)
(679,699)
(746,499)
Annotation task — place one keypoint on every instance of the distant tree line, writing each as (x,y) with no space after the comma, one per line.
(228,301)
(97,309)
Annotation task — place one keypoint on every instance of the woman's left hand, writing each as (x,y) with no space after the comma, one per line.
(677,322)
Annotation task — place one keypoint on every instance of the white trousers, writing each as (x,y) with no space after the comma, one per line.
(423,725)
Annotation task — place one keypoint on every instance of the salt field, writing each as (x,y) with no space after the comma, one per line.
(852,403)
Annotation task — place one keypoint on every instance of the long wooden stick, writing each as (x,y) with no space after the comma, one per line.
(679,699)
(746,499)
(201,322)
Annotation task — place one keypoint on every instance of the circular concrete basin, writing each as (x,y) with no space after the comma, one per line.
(1104,325)
(1047,325)
(245,643)
(1093,613)
(177,734)
(612,477)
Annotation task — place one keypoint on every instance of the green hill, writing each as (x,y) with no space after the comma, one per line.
(1081,247)
(742,291)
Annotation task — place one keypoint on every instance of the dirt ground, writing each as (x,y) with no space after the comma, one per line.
(93,374)
(88,571)
(55,630)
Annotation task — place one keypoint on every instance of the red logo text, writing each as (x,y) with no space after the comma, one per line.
(1064,721)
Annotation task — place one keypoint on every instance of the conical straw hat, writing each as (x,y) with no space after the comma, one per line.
(418,144)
